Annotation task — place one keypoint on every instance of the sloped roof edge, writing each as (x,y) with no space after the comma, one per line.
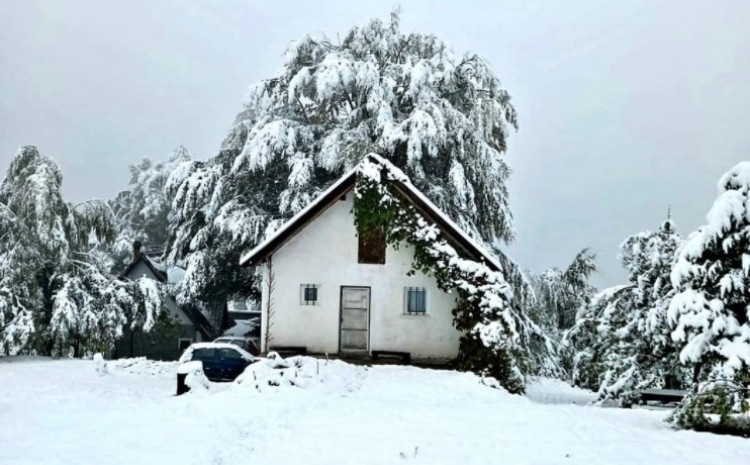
(453,232)
(157,272)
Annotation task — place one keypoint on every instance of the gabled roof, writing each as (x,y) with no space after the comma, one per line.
(208,329)
(464,244)
(160,275)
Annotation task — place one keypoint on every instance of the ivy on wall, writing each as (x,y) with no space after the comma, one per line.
(496,335)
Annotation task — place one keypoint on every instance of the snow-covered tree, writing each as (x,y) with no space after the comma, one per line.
(624,338)
(711,310)
(443,119)
(560,294)
(584,343)
(555,297)
(141,211)
(55,290)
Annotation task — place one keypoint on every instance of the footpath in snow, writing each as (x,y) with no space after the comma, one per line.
(79,412)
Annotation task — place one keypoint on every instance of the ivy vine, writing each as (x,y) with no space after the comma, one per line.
(494,334)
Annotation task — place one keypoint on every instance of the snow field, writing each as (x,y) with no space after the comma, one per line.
(64,411)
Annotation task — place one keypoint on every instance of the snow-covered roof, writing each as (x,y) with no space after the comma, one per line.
(454,233)
(155,268)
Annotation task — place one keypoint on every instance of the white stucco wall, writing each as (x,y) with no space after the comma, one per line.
(325,253)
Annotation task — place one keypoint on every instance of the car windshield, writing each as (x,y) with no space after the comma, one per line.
(203,354)
(230,354)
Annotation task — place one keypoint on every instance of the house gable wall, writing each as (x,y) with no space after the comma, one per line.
(141,270)
(324,253)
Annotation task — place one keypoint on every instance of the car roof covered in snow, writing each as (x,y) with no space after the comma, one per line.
(215,345)
(455,235)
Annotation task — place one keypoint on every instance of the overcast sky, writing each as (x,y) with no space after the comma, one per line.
(625,107)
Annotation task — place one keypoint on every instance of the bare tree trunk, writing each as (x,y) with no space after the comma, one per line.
(270,285)
(696,376)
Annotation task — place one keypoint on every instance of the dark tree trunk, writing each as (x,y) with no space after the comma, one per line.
(132,339)
(696,376)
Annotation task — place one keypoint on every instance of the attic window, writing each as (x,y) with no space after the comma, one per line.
(308,294)
(372,247)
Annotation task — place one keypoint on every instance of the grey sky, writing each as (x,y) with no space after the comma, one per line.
(625,107)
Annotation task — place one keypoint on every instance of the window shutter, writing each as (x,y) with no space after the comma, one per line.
(372,247)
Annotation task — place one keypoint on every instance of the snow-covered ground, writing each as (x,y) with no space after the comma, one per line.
(65,412)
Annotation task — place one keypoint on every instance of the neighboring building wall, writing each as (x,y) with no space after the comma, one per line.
(325,253)
(155,345)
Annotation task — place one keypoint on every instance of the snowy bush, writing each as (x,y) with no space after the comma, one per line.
(301,372)
(720,406)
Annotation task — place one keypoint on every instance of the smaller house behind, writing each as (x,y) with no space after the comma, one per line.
(179,326)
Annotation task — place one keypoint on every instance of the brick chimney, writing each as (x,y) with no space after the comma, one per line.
(136,249)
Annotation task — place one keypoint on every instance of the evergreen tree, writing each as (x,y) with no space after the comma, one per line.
(46,249)
(625,337)
(711,308)
(56,296)
(560,294)
(555,298)
(443,119)
(141,211)
(584,342)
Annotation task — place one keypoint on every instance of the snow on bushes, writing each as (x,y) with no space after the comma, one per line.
(301,372)
(141,366)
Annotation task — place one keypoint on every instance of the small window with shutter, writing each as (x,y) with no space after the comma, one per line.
(415,301)
(309,294)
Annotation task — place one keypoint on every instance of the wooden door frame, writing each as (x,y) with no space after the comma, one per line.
(369,313)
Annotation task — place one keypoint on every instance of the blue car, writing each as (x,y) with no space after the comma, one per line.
(222,362)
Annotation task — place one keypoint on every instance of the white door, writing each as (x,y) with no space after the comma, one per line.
(355,319)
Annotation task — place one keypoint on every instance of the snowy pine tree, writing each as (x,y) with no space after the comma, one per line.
(584,344)
(560,294)
(443,119)
(56,295)
(141,211)
(625,336)
(711,310)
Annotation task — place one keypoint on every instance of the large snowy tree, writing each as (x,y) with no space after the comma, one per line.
(443,119)
(711,310)
(56,295)
(640,353)
(141,211)
(623,339)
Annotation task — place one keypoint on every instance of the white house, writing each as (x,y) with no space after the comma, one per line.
(331,292)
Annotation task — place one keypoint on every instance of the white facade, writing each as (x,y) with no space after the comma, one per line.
(325,253)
